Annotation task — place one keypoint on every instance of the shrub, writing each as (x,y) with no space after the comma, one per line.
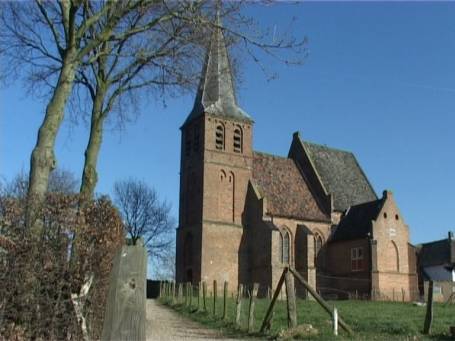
(42,267)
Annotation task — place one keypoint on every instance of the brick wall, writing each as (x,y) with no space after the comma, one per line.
(182,264)
(394,265)
(340,279)
(221,254)
(213,189)
(226,173)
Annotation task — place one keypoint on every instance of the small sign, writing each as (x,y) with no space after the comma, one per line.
(392,232)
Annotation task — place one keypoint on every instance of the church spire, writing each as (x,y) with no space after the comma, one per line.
(216,94)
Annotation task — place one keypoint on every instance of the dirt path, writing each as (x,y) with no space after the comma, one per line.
(165,324)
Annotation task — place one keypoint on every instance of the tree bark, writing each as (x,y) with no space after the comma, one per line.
(90,175)
(43,160)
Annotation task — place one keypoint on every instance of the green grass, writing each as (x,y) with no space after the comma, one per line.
(369,320)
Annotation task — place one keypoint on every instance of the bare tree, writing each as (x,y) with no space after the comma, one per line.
(163,58)
(145,216)
(164,268)
(53,41)
(60,181)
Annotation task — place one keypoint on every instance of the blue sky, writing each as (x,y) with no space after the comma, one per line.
(379,81)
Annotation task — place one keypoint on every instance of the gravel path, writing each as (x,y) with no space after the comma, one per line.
(165,324)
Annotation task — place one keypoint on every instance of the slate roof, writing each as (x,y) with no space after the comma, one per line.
(341,176)
(436,253)
(216,94)
(356,223)
(287,193)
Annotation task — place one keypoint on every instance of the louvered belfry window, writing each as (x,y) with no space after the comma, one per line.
(219,137)
(238,140)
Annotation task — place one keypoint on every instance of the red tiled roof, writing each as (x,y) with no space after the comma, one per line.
(287,193)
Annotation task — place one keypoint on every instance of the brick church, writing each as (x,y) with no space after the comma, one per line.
(244,214)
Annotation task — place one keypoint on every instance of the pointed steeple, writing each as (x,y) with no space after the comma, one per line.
(216,94)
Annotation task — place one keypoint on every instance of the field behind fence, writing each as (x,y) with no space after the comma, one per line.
(368,319)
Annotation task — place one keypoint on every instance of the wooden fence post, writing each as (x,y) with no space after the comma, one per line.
(169,291)
(321,301)
(268,314)
(429,314)
(225,293)
(253,295)
(199,294)
(273,312)
(214,297)
(125,306)
(335,321)
(190,285)
(185,286)
(290,300)
(177,292)
(180,293)
(204,296)
(238,307)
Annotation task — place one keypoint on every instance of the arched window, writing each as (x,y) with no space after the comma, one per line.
(394,256)
(285,247)
(238,139)
(226,196)
(317,246)
(219,137)
(222,175)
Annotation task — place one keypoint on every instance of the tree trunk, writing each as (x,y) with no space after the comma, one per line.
(90,175)
(42,160)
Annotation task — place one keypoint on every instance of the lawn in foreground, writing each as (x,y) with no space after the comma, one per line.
(369,320)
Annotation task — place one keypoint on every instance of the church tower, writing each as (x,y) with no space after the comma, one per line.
(216,165)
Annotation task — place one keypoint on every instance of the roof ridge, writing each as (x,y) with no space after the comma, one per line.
(435,241)
(327,147)
(271,155)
